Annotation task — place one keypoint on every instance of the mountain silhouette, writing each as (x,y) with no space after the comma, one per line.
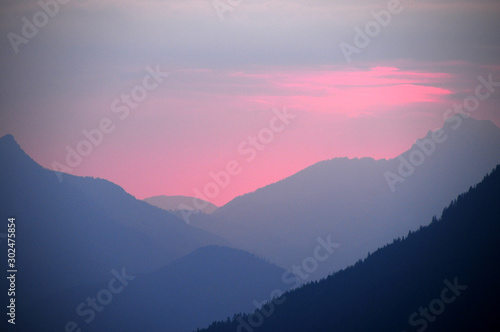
(176,203)
(208,284)
(352,201)
(74,232)
(443,277)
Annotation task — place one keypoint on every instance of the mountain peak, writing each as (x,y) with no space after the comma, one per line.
(463,128)
(9,146)
(8,140)
(11,150)
(462,119)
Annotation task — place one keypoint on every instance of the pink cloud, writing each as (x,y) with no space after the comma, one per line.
(333,91)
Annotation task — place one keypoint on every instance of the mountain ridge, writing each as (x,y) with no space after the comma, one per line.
(400,286)
(82,219)
(352,200)
(207,284)
(179,203)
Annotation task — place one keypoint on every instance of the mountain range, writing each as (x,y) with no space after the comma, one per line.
(208,284)
(177,203)
(79,237)
(353,201)
(75,231)
(443,277)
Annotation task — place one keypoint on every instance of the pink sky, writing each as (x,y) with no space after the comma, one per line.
(197,119)
(226,77)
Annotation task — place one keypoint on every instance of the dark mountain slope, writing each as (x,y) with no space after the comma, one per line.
(394,284)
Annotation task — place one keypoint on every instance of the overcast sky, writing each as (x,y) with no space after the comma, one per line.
(229,64)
